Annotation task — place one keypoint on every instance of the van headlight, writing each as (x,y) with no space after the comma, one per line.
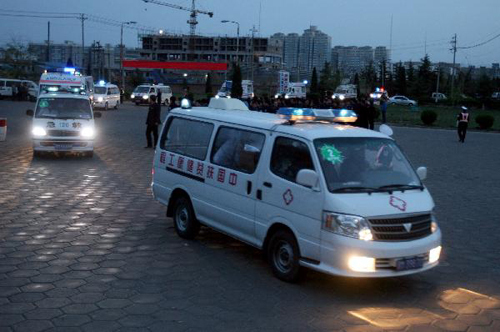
(39,132)
(100,99)
(434,224)
(145,97)
(87,132)
(132,96)
(347,225)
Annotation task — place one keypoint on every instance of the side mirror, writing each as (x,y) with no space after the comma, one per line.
(97,114)
(385,129)
(307,178)
(30,113)
(422,173)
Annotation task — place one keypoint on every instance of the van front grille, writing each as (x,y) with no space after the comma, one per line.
(63,133)
(401,229)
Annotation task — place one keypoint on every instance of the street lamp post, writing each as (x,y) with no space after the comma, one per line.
(237,39)
(121,53)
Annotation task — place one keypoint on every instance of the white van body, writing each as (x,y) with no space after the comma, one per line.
(63,122)
(50,82)
(246,86)
(280,183)
(106,96)
(296,90)
(6,85)
(345,91)
(143,92)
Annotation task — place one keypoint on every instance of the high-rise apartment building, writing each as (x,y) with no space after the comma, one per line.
(314,51)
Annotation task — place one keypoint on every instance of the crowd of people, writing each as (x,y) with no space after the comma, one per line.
(20,92)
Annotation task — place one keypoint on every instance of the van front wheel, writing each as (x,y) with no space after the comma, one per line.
(185,222)
(283,255)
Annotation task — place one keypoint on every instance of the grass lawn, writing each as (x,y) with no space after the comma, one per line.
(446,116)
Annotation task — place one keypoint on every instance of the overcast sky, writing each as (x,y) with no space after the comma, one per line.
(348,22)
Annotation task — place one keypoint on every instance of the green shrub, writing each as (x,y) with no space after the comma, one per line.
(428,117)
(485,121)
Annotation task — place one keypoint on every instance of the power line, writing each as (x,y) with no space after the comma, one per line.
(480,44)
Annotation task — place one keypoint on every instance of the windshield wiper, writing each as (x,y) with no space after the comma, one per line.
(355,189)
(401,187)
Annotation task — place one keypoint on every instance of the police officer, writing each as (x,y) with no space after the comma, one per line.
(463,123)
(152,122)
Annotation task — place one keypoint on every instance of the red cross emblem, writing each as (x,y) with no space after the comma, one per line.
(288,197)
(397,203)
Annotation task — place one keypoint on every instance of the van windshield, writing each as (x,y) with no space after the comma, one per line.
(100,90)
(142,89)
(358,164)
(63,108)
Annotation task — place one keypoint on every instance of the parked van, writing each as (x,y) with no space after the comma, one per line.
(63,122)
(246,86)
(143,92)
(316,194)
(437,96)
(7,87)
(106,95)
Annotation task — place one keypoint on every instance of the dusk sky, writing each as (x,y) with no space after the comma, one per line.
(348,22)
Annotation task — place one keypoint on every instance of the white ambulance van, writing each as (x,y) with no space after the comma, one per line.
(106,95)
(52,82)
(143,92)
(308,191)
(63,122)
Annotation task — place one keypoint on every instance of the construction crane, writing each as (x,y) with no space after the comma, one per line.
(194,13)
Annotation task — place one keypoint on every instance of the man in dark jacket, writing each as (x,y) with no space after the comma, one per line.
(152,122)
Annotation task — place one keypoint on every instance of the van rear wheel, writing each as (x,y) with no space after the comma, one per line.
(185,222)
(283,255)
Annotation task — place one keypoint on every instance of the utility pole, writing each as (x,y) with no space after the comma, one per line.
(83,18)
(121,53)
(48,42)
(437,84)
(253,49)
(454,49)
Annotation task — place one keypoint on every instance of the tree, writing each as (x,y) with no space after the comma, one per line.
(236,88)
(325,79)
(208,84)
(314,82)
(410,83)
(400,81)
(425,80)
(369,78)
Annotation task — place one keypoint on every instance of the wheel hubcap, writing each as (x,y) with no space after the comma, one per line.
(283,256)
(182,218)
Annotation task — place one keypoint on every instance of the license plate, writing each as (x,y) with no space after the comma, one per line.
(409,263)
(63,146)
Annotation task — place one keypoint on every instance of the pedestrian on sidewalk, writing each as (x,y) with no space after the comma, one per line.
(462,124)
(153,121)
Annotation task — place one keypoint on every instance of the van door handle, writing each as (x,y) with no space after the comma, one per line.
(249,187)
(268,184)
(259,194)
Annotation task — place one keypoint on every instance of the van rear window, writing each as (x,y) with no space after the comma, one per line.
(187,137)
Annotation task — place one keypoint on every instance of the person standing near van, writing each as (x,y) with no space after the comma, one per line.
(383,106)
(463,123)
(152,122)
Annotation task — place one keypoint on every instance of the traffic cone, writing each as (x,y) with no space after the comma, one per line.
(3,129)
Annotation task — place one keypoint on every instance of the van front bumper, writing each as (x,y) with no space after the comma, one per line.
(337,251)
(58,145)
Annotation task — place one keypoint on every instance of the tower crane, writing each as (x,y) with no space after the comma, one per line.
(194,12)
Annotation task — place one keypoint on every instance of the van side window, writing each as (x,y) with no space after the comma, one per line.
(187,137)
(237,149)
(289,157)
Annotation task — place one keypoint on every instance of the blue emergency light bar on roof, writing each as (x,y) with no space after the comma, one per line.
(312,114)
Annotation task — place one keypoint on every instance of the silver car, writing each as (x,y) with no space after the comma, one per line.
(401,100)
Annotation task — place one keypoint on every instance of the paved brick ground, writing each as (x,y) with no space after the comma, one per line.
(83,247)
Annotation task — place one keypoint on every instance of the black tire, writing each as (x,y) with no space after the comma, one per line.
(116,105)
(410,104)
(137,103)
(37,154)
(283,256)
(185,222)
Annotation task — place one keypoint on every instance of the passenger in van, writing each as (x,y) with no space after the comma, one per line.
(354,164)
(227,154)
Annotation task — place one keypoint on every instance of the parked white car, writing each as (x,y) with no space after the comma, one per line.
(402,100)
